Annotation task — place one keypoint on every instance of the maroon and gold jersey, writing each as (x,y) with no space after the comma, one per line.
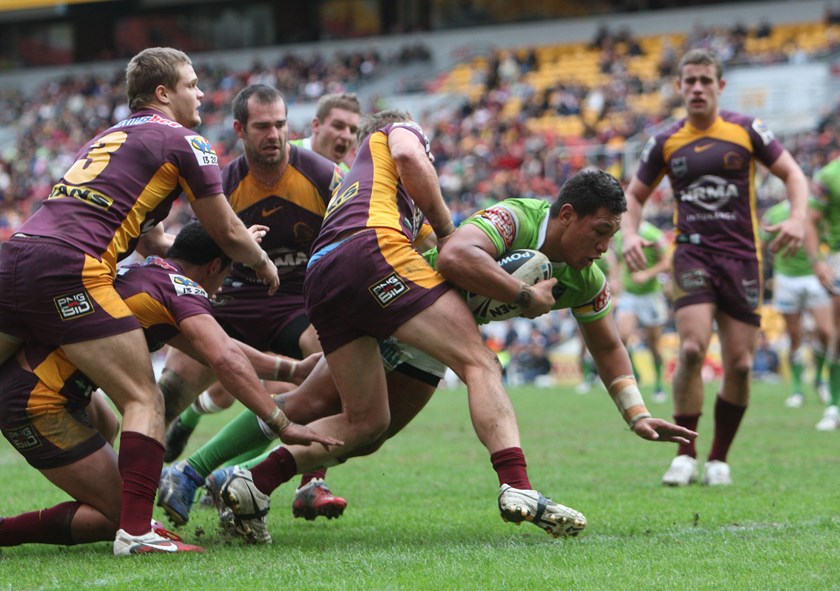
(124,182)
(159,295)
(371,194)
(712,173)
(293,209)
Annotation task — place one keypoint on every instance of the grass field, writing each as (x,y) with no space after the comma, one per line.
(422,513)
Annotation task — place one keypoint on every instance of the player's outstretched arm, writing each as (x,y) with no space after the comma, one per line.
(654,429)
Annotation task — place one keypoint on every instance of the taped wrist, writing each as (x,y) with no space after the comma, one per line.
(627,397)
(286,375)
(277,421)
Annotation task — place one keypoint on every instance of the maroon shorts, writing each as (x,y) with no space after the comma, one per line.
(733,284)
(54,294)
(48,429)
(368,285)
(268,323)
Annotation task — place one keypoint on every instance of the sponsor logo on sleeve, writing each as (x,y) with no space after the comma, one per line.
(602,299)
(73,305)
(186,286)
(763,131)
(389,289)
(203,150)
(504,222)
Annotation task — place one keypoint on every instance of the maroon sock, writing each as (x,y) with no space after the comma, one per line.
(277,468)
(47,526)
(689,422)
(140,462)
(509,464)
(727,420)
(309,476)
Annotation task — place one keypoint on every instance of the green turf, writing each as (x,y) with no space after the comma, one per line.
(422,513)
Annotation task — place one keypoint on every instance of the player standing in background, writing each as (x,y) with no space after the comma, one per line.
(642,300)
(334,129)
(285,188)
(709,159)
(796,290)
(48,413)
(825,211)
(58,269)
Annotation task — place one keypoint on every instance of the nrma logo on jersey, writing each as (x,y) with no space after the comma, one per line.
(709,192)
(186,286)
(203,150)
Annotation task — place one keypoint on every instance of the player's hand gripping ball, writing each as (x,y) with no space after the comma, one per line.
(530,266)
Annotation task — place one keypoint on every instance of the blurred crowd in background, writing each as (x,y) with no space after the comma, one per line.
(483,152)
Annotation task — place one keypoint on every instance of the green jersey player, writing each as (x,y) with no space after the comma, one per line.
(796,290)
(642,301)
(573,232)
(826,210)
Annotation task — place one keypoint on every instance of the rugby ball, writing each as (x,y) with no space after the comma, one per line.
(530,266)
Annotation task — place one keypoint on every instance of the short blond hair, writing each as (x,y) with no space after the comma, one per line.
(149,69)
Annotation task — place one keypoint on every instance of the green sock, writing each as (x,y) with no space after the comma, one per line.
(819,364)
(834,382)
(242,435)
(248,464)
(244,459)
(589,373)
(796,369)
(657,368)
(635,369)
(189,418)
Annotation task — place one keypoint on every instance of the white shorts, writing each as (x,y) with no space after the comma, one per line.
(651,309)
(794,295)
(394,352)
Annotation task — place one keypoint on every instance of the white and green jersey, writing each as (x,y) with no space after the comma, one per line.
(653,254)
(795,265)
(827,201)
(521,223)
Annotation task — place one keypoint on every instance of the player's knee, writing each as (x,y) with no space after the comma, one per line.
(741,366)
(177,394)
(370,427)
(482,361)
(692,353)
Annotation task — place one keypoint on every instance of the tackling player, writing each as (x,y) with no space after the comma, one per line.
(45,399)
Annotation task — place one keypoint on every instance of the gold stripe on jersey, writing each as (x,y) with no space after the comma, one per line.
(292,187)
(61,429)
(52,374)
(720,130)
(406,261)
(99,283)
(383,212)
(149,311)
(159,187)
